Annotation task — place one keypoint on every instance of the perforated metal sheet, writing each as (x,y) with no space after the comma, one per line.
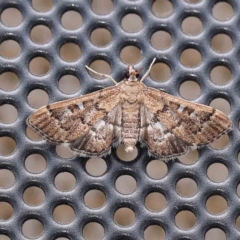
(175,203)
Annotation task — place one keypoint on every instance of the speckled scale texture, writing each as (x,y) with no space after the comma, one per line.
(116,167)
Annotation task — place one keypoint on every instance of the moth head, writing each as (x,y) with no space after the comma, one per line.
(132,75)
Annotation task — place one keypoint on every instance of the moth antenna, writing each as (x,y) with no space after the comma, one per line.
(148,71)
(101,74)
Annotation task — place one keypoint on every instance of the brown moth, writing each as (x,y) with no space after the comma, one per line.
(127,113)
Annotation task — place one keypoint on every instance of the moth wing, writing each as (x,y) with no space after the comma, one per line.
(68,120)
(100,138)
(160,141)
(195,124)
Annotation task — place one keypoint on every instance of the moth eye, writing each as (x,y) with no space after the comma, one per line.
(137,75)
(127,75)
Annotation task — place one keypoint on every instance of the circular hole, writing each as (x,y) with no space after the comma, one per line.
(221,104)
(161,40)
(4,237)
(65,181)
(126,184)
(238,190)
(7,146)
(41,34)
(6,211)
(157,169)
(217,172)
(69,84)
(190,158)
(33,196)
(71,20)
(130,55)
(155,201)
(38,98)
(33,135)
(191,57)
(132,23)
(220,75)
(64,152)
(70,52)
(96,166)
(42,5)
(212,233)
(124,217)
(63,214)
(32,228)
(238,222)
(192,26)
(39,66)
(8,113)
(94,198)
(190,90)
(100,66)
(220,143)
(221,43)
(7,179)
(35,163)
(124,156)
(185,220)
(101,37)
(7,17)
(102,7)
(162,8)
(8,81)
(160,72)
(154,232)
(216,204)
(186,187)
(10,49)
(93,231)
(222,11)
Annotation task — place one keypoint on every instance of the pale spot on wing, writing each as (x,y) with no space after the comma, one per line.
(80,105)
(160,126)
(92,133)
(181,108)
(193,115)
(67,112)
(100,124)
(149,128)
(167,135)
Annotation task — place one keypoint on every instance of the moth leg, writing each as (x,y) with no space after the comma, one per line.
(101,74)
(148,71)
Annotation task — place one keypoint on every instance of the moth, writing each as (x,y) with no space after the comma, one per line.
(127,113)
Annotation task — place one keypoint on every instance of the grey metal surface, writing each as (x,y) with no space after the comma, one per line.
(116,167)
